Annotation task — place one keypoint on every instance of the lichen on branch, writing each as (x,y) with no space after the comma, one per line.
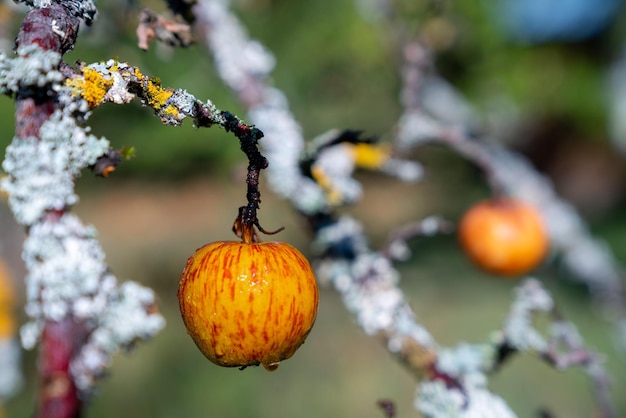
(74,303)
(120,83)
(42,170)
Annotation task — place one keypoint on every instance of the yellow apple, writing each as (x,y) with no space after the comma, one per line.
(248,303)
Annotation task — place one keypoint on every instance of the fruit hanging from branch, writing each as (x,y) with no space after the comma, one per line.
(504,236)
(248,303)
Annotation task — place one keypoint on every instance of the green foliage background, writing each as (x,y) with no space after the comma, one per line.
(338,71)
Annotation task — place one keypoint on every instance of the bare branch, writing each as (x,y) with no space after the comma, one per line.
(397,245)
(156,27)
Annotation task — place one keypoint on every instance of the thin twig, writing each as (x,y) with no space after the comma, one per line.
(396,246)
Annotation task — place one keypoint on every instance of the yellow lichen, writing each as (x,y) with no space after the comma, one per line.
(156,95)
(138,73)
(333,195)
(369,156)
(171,111)
(92,86)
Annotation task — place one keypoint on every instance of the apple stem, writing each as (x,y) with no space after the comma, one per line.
(247,219)
(244,225)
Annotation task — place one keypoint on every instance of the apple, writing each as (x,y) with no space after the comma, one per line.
(248,303)
(504,236)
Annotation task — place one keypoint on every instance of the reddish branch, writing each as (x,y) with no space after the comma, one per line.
(59,397)
(53,29)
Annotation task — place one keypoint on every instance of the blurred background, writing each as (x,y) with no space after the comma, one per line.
(544,77)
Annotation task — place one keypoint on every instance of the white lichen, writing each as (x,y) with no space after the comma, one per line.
(407,171)
(368,282)
(466,360)
(436,400)
(519,331)
(184,102)
(64,262)
(38,4)
(42,170)
(32,67)
(416,128)
(237,57)
(31,331)
(66,272)
(85,9)
(126,318)
(118,92)
(67,275)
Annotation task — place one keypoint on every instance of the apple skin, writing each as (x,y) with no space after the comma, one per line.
(246,304)
(504,236)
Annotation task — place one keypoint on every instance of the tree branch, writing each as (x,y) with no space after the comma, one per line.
(75,305)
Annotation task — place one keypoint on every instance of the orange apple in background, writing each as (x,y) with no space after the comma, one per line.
(504,236)
(248,303)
